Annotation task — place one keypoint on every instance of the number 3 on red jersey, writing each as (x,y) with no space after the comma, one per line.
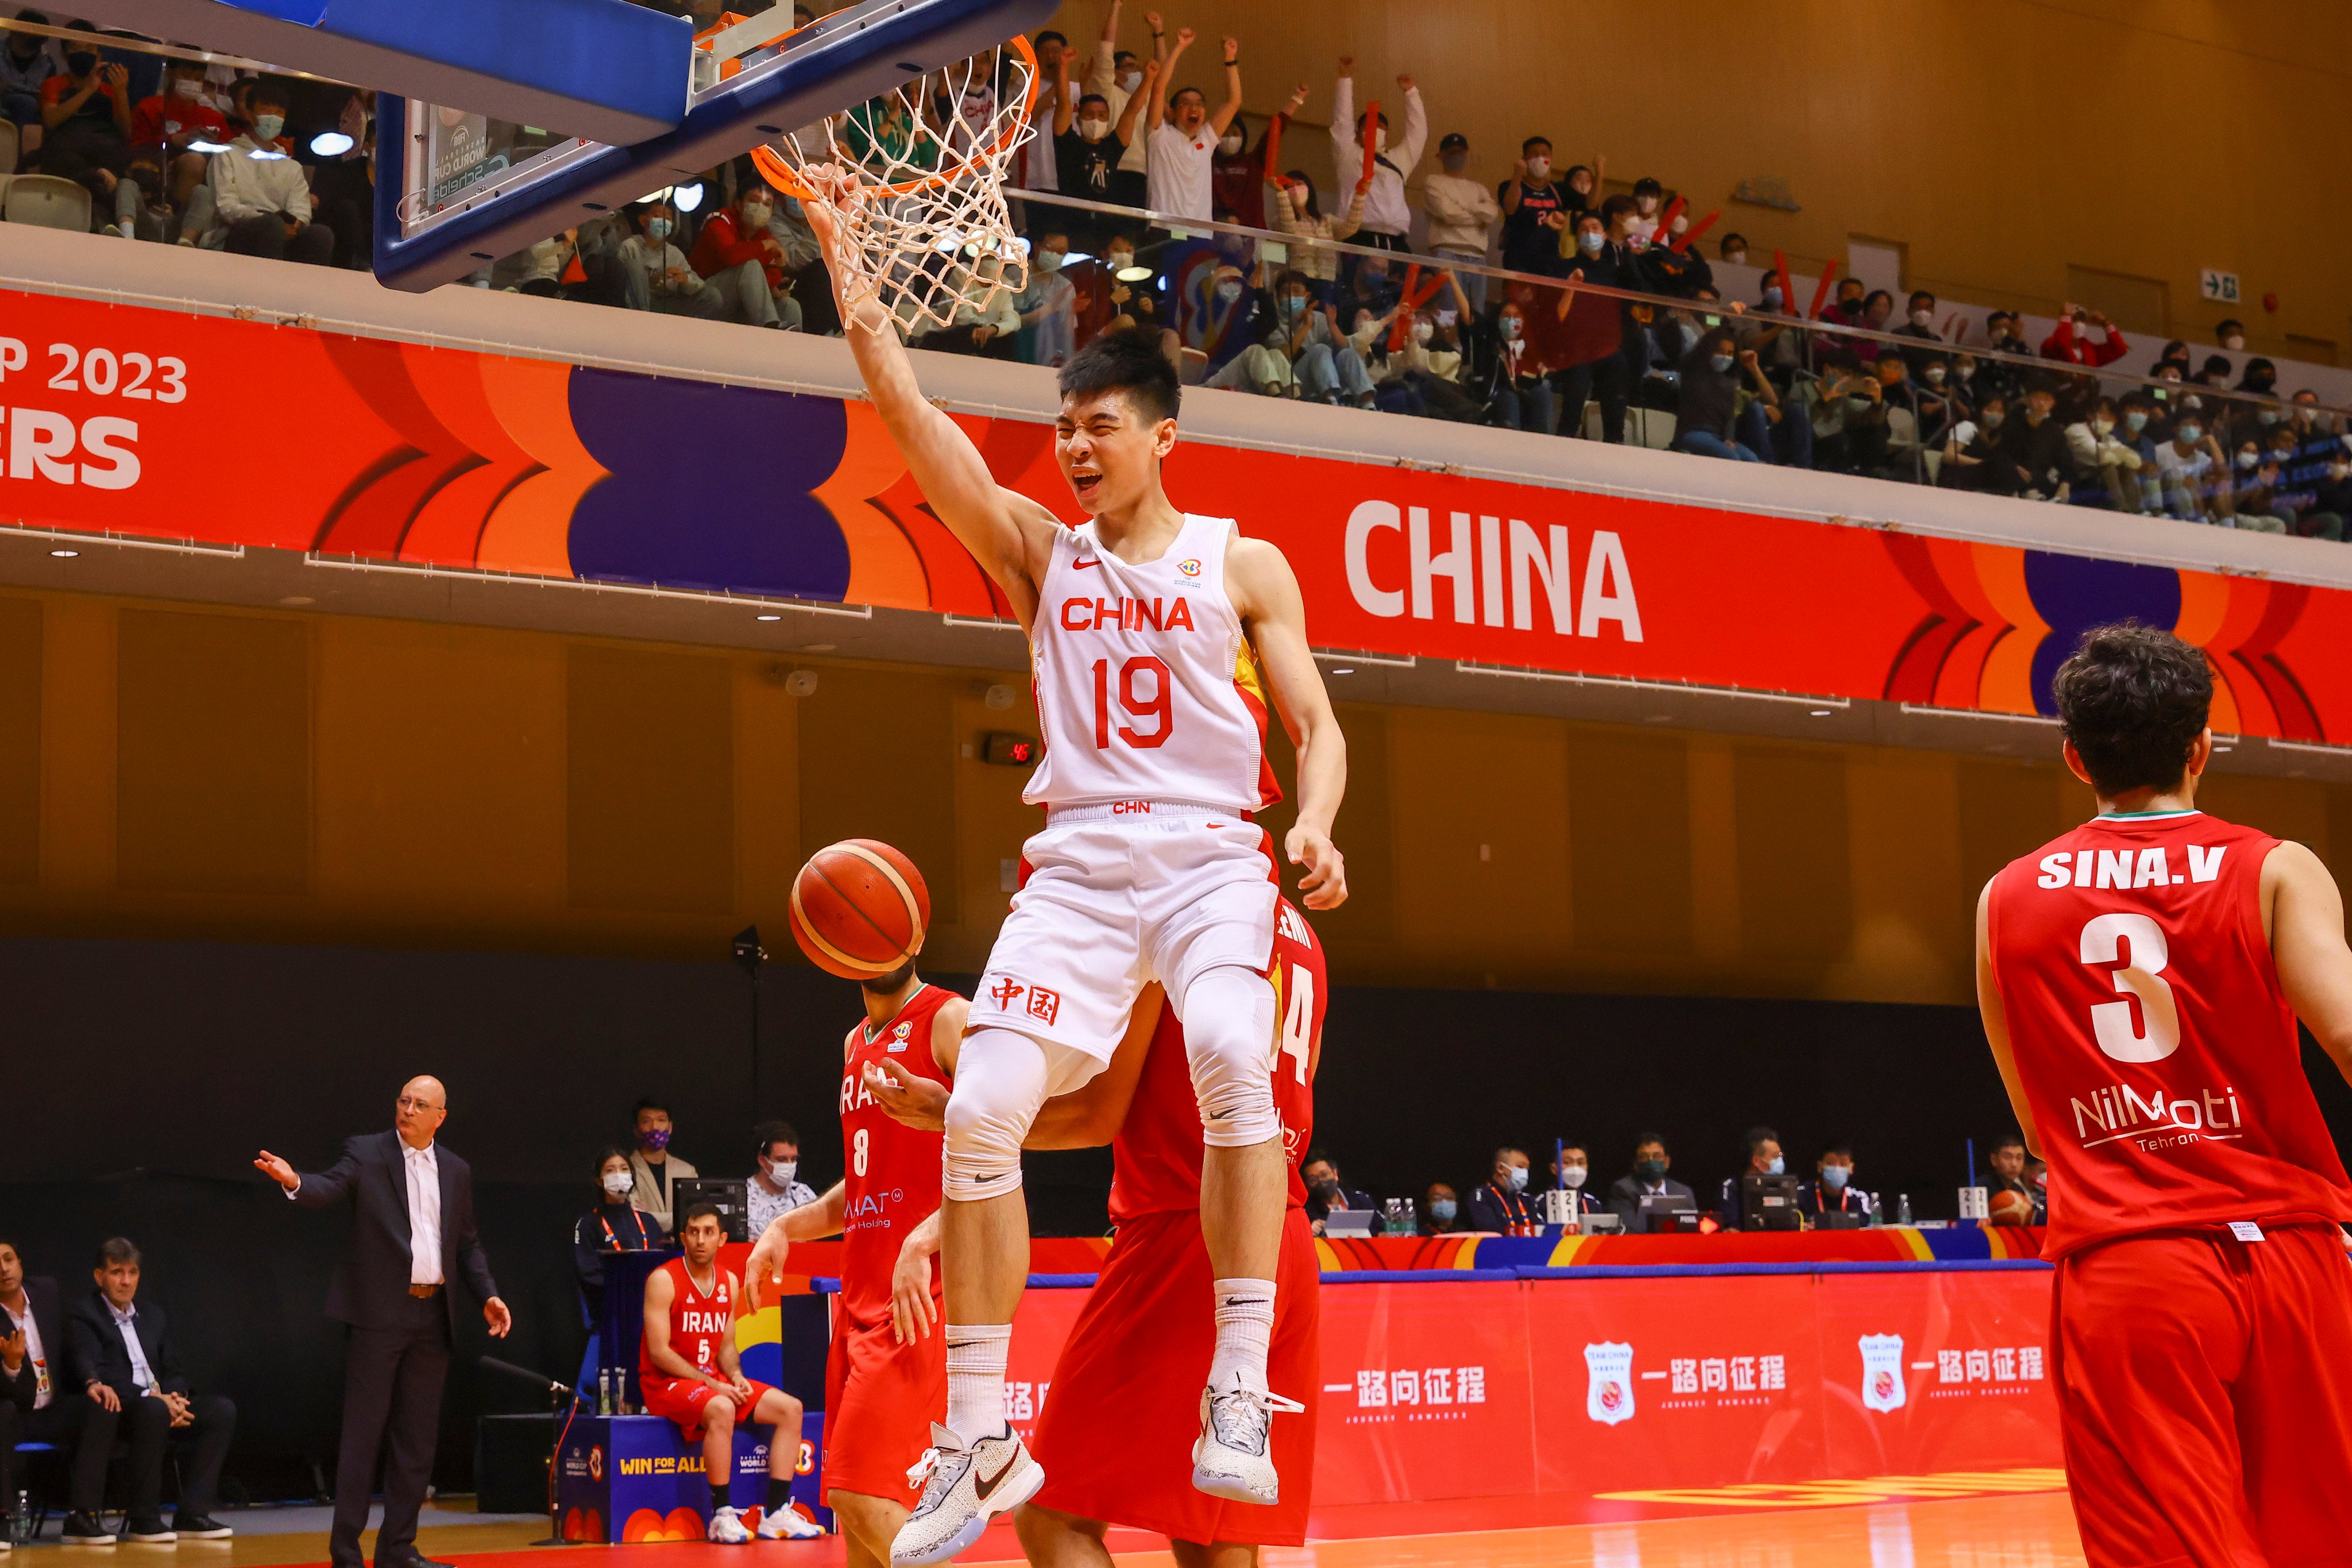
(2104,939)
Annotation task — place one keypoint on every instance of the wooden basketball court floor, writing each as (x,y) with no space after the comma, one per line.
(2015,1519)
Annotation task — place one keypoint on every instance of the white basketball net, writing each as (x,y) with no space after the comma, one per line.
(923,226)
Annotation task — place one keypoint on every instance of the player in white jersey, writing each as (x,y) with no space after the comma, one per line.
(1148,629)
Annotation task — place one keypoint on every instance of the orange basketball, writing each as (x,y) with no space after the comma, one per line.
(2010,1206)
(860,908)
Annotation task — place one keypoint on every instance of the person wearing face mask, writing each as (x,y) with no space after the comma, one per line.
(1048,305)
(1116,76)
(1429,363)
(1707,413)
(1090,138)
(1648,1179)
(1534,208)
(655,1170)
(1386,217)
(1502,1206)
(659,276)
(2142,430)
(2231,333)
(2254,501)
(613,1224)
(987,319)
(1918,322)
(1296,212)
(1440,1211)
(1605,344)
(1832,1190)
(1850,417)
(2302,491)
(1733,249)
(1764,1159)
(1184,133)
(2194,471)
(1237,170)
(775,1187)
(28,60)
(1301,352)
(1461,212)
(738,255)
(2103,465)
(2084,337)
(261,196)
(1571,1172)
(164,124)
(1509,375)
(1976,453)
(1327,1194)
(86,110)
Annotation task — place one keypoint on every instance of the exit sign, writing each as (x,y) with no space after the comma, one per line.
(2221,287)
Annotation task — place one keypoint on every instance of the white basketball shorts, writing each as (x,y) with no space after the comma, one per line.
(1118,897)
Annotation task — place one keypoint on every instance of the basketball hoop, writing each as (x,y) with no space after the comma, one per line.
(918,194)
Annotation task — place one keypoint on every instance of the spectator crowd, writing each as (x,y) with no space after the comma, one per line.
(1332,305)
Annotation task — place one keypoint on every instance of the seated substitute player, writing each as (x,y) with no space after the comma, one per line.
(1114,1438)
(1148,631)
(886,1375)
(2140,979)
(687,1369)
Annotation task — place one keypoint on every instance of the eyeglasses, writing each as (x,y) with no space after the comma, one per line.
(410,1102)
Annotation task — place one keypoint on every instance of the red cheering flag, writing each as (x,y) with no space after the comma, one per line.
(1788,284)
(1409,304)
(1666,224)
(1682,242)
(1270,164)
(1822,289)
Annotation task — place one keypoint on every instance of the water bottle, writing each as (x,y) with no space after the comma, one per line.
(20,1523)
(1903,1208)
(605,1391)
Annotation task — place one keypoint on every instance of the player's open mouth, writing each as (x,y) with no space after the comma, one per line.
(1086,484)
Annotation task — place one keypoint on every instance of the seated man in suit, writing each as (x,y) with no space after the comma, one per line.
(1833,1190)
(37,1400)
(1649,1179)
(1764,1159)
(1326,1192)
(129,1370)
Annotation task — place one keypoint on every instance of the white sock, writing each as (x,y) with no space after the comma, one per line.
(976,1379)
(1245,1329)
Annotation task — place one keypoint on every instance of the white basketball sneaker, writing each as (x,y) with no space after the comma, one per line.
(788,1524)
(963,1488)
(1233,1458)
(727,1528)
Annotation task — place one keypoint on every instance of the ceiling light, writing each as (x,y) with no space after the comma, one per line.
(1343,672)
(771,617)
(64,554)
(687,198)
(1823,712)
(329,144)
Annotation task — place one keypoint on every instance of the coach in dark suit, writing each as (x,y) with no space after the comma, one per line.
(40,1402)
(412,1237)
(128,1364)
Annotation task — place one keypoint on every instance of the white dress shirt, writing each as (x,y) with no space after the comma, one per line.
(126,1320)
(424,1172)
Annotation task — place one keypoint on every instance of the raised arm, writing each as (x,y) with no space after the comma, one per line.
(1344,152)
(1232,104)
(1416,127)
(1159,84)
(1010,535)
(2304,911)
(1273,614)
(1065,109)
(1137,102)
(1099,73)
(1996,1024)
(311,1191)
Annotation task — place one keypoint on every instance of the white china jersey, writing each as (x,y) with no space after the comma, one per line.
(1147,689)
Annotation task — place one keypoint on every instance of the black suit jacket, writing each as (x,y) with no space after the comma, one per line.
(48,1320)
(1625,1200)
(100,1355)
(371,1277)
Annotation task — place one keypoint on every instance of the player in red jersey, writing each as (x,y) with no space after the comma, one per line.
(2140,979)
(1117,1438)
(688,1369)
(886,1375)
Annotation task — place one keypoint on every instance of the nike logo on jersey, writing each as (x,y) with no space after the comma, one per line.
(1081,564)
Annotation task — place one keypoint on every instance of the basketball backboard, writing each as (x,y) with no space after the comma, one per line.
(457,190)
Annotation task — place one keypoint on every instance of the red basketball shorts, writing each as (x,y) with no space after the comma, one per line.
(677,1400)
(880,1399)
(2205,1393)
(1115,1437)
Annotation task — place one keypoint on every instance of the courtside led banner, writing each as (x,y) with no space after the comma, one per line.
(149,423)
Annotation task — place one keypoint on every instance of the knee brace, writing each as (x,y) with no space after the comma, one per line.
(999,1083)
(1228,1017)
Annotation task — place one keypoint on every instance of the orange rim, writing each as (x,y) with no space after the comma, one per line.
(780,173)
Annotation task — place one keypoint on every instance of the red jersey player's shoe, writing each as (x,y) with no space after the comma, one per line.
(727,1528)
(788,1524)
(964,1489)
(1233,1458)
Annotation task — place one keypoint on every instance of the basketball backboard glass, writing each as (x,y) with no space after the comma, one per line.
(457,189)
